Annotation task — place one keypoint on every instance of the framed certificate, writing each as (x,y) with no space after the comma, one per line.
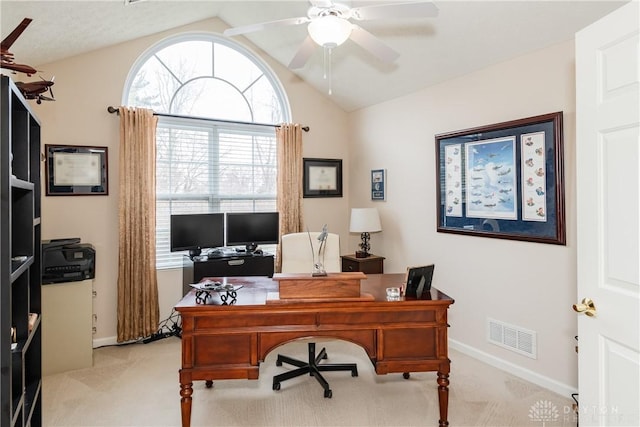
(74,170)
(322,178)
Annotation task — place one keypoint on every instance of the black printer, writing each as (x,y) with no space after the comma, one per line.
(67,260)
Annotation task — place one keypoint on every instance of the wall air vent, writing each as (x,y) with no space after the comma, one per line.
(511,337)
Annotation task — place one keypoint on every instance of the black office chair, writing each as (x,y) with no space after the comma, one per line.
(313,368)
(297,257)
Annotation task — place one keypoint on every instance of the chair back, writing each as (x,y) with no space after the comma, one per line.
(298,258)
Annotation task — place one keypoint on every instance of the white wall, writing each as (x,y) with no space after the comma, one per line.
(84,86)
(530,285)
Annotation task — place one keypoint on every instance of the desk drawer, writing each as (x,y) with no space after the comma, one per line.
(377,317)
(216,322)
(230,349)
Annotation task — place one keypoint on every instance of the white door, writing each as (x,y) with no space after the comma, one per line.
(608,222)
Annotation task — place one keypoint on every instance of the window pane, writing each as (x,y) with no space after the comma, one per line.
(212,98)
(153,87)
(234,67)
(188,60)
(265,102)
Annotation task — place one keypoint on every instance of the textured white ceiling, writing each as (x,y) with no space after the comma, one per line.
(466,36)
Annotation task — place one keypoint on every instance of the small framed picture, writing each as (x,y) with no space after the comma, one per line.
(322,178)
(378,190)
(74,170)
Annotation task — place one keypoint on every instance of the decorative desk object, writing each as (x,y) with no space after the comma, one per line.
(205,289)
(330,287)
(318,262)
(364,221)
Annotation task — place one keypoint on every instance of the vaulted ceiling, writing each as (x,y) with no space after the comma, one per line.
(465,36)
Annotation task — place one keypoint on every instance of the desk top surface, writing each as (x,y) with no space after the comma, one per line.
(255,291)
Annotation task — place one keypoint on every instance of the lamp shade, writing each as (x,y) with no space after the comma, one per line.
(329,31)
(365,220)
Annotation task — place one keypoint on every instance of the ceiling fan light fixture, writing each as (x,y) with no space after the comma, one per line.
(329,31)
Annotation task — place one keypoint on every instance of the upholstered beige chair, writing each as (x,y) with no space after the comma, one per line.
(297,257)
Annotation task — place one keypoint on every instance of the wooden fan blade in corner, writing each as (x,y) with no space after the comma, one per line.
(235,31)
(373,44)
(395,10)
(303,54)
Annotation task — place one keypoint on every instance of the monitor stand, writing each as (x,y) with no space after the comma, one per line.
(251,247)
(194,252)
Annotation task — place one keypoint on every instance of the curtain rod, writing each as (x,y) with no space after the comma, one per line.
(113,110)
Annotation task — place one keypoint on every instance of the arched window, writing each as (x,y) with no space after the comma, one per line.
(216,149)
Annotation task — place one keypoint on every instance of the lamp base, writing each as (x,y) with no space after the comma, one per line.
(362,254)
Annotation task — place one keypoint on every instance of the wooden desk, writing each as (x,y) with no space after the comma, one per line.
(229,341)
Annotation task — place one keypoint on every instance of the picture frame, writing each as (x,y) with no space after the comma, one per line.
(322,177)
(378,184)
(418,280)
(504,180)
(76,170)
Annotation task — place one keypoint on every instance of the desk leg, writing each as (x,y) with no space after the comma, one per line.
(443,397)
(186,390)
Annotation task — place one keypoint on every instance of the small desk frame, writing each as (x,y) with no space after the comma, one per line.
(229,341)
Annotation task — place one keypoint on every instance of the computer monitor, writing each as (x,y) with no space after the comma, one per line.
(252,229)
(418,280)
(194,232)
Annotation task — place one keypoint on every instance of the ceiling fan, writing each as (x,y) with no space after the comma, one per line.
(330,24)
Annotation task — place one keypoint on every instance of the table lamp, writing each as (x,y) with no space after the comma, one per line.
(364,221)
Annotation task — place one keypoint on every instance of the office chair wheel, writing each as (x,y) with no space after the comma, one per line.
(406,375)
(328,394)
(276,386)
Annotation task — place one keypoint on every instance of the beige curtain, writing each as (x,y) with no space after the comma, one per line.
(138,310)
(289,140)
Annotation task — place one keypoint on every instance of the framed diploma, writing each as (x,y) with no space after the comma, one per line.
(74,170)
(322,178)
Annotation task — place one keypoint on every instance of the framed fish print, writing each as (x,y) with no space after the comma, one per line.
(504,180)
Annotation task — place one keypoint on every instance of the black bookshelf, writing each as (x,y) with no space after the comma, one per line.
(20,261)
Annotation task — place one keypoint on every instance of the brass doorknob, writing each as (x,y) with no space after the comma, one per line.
(587,307)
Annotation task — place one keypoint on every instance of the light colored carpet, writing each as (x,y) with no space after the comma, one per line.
(137,385)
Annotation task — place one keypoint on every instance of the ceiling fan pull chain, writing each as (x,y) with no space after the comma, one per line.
(324,62)
(329,66)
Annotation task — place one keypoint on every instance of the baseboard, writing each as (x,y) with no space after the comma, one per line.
(518,371)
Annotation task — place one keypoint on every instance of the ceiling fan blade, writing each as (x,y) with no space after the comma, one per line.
(303,54)
(395,10)
(373,44)
(229,32)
